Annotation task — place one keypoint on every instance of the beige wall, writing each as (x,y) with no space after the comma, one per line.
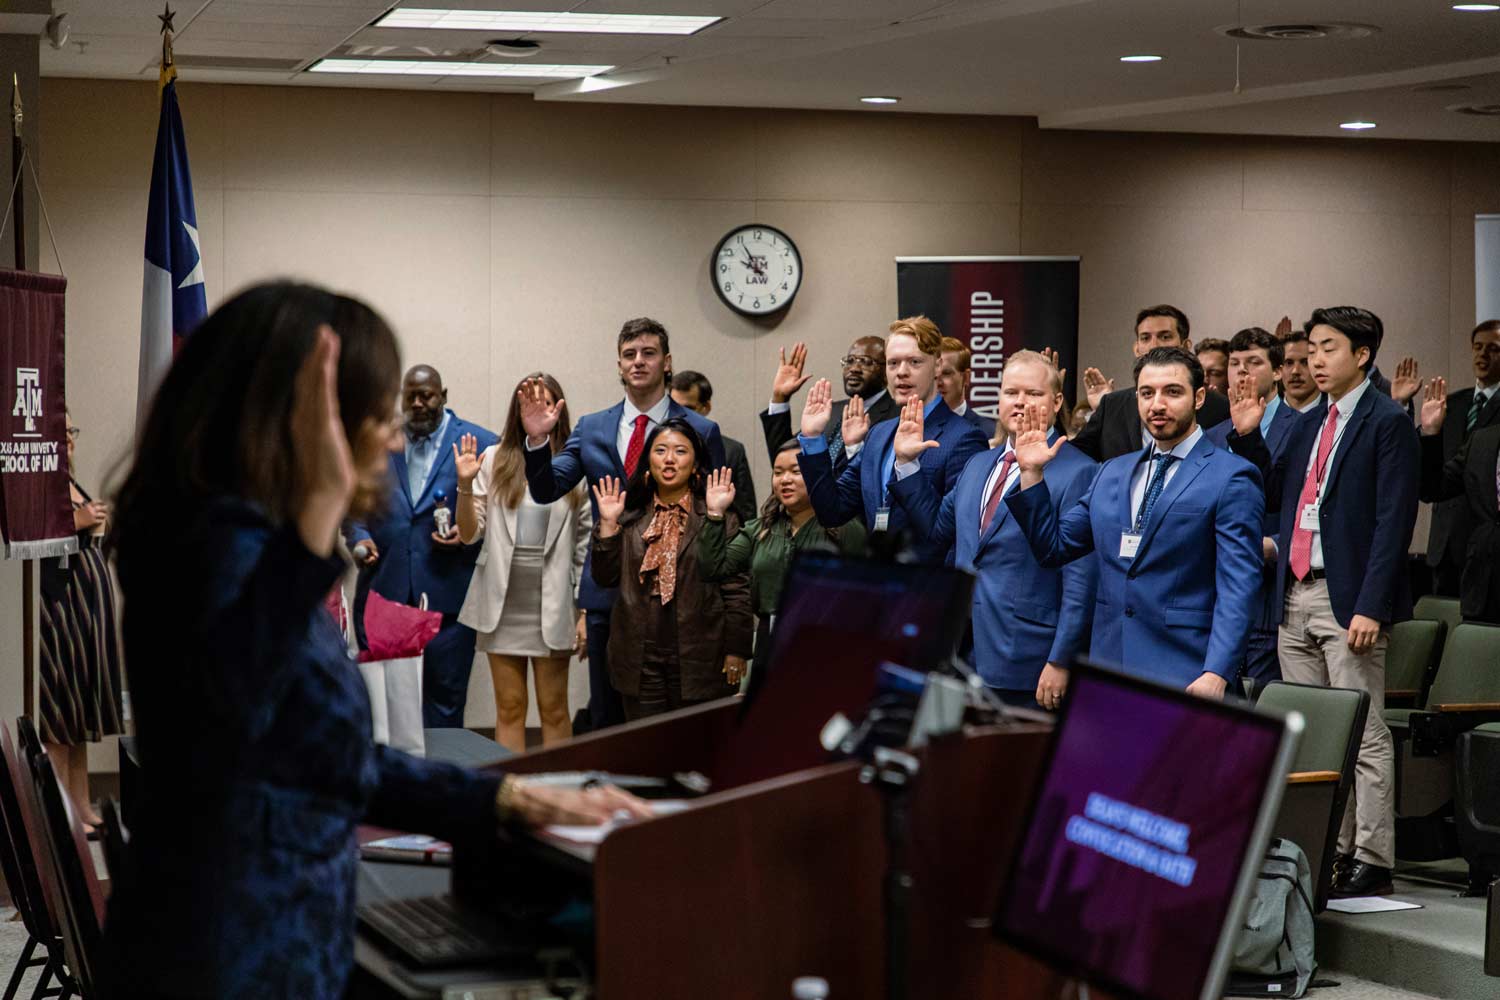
(502,235)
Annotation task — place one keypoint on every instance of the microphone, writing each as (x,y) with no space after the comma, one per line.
(362,551)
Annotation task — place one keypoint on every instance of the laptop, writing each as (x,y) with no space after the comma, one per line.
(1146,832)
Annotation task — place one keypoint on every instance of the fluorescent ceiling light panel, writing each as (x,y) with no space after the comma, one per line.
(881,100)
(1482,8)
(439,67)
(548,21)
(1357,126)
(1140,59)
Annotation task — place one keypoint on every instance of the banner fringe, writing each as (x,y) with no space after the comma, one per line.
(42,548)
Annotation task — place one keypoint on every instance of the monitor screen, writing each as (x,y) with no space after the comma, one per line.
(1139,839)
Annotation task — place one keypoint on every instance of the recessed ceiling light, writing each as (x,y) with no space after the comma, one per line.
(538,20)
(1140,59)
(881,100)
(441,67)
(1357,126)
(1476,7)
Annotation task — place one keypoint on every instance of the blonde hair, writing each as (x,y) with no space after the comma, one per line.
(924,331)
(1034,358)
(952,345)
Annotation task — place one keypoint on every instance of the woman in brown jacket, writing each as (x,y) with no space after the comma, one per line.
(674,638)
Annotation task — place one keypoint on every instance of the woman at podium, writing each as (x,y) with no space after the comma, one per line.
(270,429)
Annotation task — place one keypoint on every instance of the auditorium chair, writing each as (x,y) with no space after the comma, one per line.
(1432,608)
(1465,693)
(1476,803)
(1312,807)
(1411,662)
(76,885)
(19,854)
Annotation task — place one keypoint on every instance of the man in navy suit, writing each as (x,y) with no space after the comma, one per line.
(409,556)
(912,355)
(1254,365)
(954,378)
(1029,621)
(1346,490)
(607,443)
(1175,529)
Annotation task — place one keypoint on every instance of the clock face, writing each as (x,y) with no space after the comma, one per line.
(756,270)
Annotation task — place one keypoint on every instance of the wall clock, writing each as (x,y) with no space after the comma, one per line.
(756,270)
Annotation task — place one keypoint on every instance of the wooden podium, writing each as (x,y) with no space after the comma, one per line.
(778,872)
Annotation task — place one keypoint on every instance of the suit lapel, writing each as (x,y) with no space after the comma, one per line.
(611,433)
(973,504)
(1195,462)
(1485,458)
(873,486)
(1280,424)
(444,454)
(398,466)
(1347,439)
(557,515)
(1489,413)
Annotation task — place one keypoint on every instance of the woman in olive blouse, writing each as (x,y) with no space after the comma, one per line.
(765,545)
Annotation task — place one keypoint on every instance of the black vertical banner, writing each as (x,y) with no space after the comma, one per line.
(996,306)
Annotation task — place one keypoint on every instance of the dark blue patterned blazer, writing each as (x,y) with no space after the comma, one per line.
(254,734)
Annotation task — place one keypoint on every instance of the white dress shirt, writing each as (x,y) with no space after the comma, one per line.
(628,413)
(1346,410)
(1143,470)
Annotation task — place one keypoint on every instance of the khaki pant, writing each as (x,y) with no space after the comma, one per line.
(1314,649)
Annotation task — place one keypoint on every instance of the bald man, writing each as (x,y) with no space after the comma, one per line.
(407,555)
(863,367)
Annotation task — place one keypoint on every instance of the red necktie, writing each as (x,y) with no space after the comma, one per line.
(636,446)
(993,504)
(1300,558)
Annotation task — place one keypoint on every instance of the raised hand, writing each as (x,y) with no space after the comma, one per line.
(538,417)
(735,668)
(1031,447)
(1407,381)
(1050,356)
(1284,328)
(323,474)
(911,436)
(818,409)
(1096,386)
(1434,406)
(856,422)
(720,495)
(1246,406)
(789,378)
(466,459)
(610,499)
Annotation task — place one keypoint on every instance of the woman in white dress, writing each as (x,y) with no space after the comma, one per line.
(522,601)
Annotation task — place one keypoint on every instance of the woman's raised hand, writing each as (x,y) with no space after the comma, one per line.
(466,459)
(538,416)
(720,495)
(610,499)
(324,472)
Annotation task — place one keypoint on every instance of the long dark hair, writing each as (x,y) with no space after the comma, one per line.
(509,479)
(774,512)
(220,424)
(641,488)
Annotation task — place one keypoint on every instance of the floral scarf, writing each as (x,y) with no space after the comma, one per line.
(662,538)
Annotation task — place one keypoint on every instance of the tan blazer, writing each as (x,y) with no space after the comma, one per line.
(566,545)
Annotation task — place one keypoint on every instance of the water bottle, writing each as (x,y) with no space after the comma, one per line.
(809,988)
(442,515)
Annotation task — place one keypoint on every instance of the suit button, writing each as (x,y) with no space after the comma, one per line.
(1130,612)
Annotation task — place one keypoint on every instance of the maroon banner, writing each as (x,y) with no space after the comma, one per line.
(996,306)
(36,509)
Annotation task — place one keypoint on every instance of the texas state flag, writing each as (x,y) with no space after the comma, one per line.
(174,300)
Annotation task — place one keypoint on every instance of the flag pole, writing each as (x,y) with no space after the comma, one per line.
(28,568)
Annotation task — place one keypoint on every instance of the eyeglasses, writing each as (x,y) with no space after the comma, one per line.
(853,362)
(73,433)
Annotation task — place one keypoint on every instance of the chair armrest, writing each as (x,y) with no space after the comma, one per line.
(1477,706)
(1400,694)
(1312,777)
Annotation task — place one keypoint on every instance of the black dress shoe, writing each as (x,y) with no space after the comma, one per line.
(1362,879)
(1341,864)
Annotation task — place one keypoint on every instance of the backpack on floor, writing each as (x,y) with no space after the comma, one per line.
(1273,956)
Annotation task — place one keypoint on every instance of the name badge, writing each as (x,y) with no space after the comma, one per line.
(1309,520)
(1129,543)
(883,519)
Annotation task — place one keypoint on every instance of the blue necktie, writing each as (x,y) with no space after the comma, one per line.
(1153,490)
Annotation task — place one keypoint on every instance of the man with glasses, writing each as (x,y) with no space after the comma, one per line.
(864,380)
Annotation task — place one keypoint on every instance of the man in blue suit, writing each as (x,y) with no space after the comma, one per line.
(1346,490)
(1175,529)
(607,443)
(1254,366)
(409,556)
(912,356)
(954,379)
(1029,621)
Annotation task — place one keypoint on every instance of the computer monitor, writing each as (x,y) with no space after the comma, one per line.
(1147,830)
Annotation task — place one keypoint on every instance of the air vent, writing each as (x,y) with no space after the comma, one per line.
(1478,110)
(1297,32)
(1442,88)
(187,61)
